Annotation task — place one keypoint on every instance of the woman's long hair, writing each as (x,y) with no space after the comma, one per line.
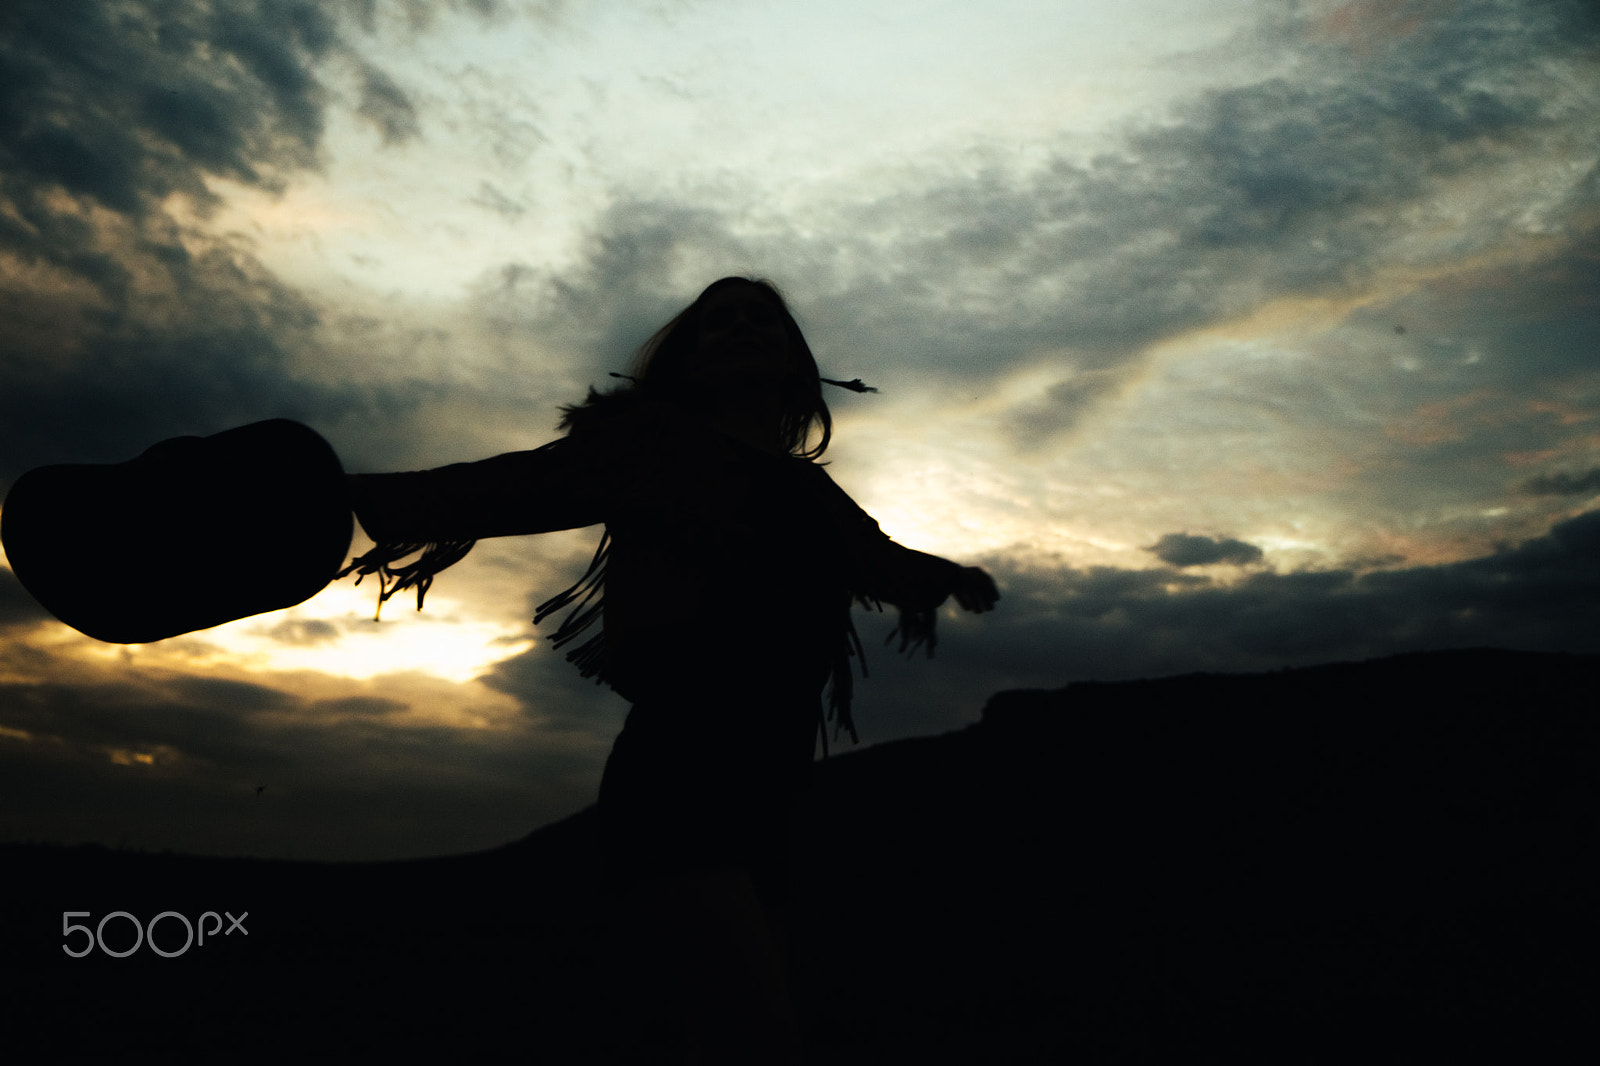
(662,364)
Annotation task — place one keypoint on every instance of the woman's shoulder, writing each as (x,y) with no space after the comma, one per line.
(624,417)
(600,410)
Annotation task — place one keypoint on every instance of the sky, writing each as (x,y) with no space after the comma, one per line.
(1228,335)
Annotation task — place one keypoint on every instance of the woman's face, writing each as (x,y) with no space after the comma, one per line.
(743,333)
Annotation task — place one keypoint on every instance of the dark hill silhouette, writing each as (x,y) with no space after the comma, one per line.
(1380,861)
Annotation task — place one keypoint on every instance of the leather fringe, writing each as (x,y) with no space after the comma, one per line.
(392,578)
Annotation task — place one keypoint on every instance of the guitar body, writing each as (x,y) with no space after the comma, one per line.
(195,532)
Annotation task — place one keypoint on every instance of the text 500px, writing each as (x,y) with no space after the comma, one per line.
(145,933)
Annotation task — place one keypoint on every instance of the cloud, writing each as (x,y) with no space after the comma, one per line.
(1255,191)
(17,607)
(1564,484)
(1183,549)
(1368,160)
(360,706)
(129,318)
(1542,594)
(1057,625)
(558,699)
(641,264)
(244,697)
(304,632)
(211,354)
(125,104)
(123,325)
(1064,404)
(159,761)
(386,106)
(492,199)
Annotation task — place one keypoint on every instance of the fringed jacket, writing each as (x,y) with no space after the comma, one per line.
(712,548)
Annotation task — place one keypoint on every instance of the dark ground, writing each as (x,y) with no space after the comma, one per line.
(1390,861)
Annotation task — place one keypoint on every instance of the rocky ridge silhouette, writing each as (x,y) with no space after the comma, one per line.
(1379,861)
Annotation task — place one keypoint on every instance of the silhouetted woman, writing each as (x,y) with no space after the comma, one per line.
(722,593)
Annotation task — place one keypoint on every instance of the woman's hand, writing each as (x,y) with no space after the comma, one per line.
(975,590)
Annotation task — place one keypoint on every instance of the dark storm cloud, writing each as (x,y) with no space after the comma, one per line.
(1564,484)
(121,328)
(1543,594)
(1184,549)
(216,355)
(124,104)
(210,722)
(173,763)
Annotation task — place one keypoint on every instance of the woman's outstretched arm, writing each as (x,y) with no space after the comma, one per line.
(916,582)
(558,486)
(975,590)
(434,517)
